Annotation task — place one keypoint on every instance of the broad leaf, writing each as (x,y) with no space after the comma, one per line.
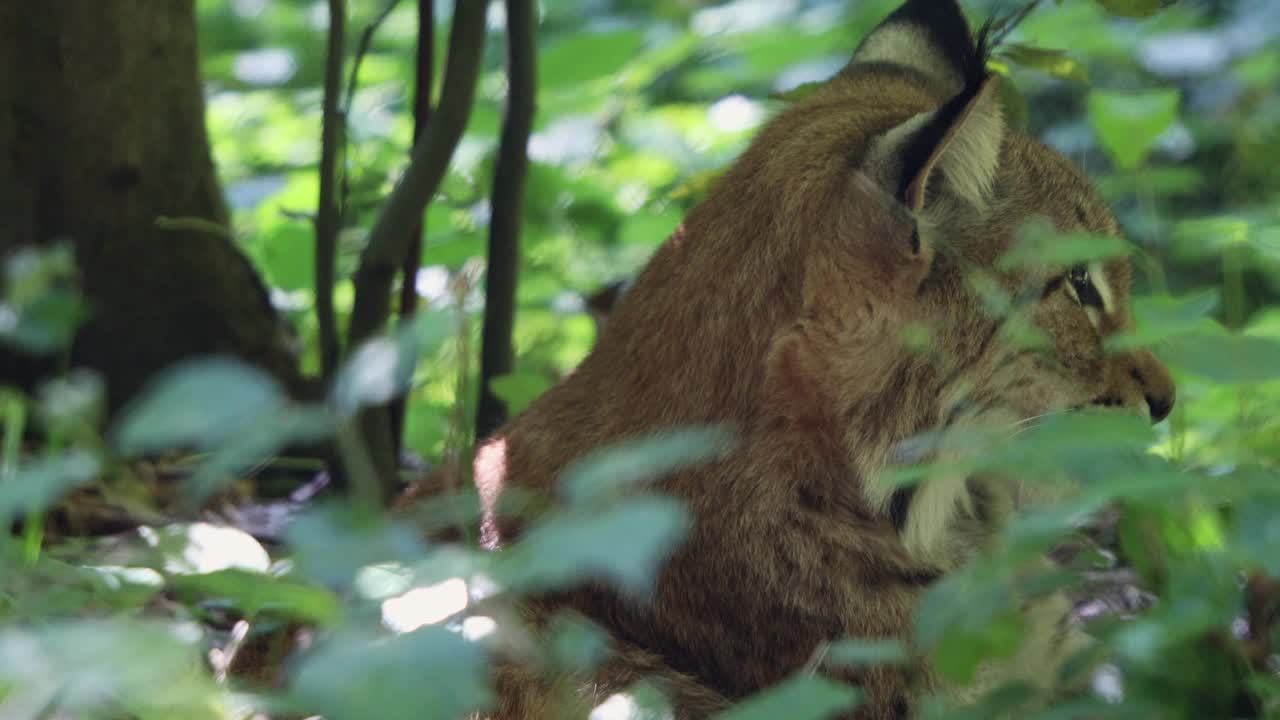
(253,593)
(519,389)
(198,404)
(614,468)
(804,697)
(1056,63)
(1128,124)
(623,545)
(429,674)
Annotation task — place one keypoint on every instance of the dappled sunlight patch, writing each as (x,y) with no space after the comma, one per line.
(735,113)
(425,605)
(478,627)
(201,548)
(617,707)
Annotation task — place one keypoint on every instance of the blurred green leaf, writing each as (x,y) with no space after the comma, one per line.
(583,57)
(105,668)
(331,542)
(256,442)
(382,368)
(1056,63)
(623,545)
(799,92)
(41,482)
(428,674)
(961,650)
(1039,246)
(576,644)
(1132,8)
(72,404)
(607,471)
(198,403)
(1014,104)
(1202,237)
(253,593)
(1128,124)
(1162,316)
(867,652)
(518,389)
(1222,356)
(803,697)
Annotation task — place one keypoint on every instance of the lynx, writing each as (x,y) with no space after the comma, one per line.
(778,308)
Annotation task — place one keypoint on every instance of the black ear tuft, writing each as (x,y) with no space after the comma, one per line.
(931,36)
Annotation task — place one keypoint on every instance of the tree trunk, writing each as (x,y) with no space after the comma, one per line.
(102,138)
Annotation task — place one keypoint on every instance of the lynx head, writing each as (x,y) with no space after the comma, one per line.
(937,190)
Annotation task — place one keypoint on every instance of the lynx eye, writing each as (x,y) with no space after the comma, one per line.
(1082,287)
(1079,276)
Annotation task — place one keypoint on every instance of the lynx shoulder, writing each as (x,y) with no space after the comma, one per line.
(779,308)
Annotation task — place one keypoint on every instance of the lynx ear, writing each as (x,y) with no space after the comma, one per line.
(958,143)
(929,36)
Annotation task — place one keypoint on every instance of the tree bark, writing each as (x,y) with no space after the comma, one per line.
(102,137)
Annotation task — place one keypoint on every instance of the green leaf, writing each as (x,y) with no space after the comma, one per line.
(1056,63)
(968,599)
(40,483)
(799,92)
(253,593)
(583,57)
(1040,246)
(577,645)
(382,368)
(1159,317)
(1132,8)
(624,545)
(105,668)
(46,324)
(286,255)
(867,652)
(199,404)
(429,674)
(1014,103)
(518,389)
(1061,437)
(1224,357)
(696,186)
(332,542)
(1204,237)
(804,697)
(962,649)
(1258,532)
(1128,124)
(648,228)
(257,441)
(605,471)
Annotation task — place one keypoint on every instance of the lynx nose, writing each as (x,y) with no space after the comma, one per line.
(1154,383)
(1138,378)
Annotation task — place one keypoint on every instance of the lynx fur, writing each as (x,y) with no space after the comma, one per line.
(780,308)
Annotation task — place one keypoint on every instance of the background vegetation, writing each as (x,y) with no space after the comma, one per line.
(138,580)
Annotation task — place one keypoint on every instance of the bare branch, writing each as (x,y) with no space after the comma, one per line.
(328,214)
(423,77)
(431,157)
(496,354)
(390,237)
(353,83)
